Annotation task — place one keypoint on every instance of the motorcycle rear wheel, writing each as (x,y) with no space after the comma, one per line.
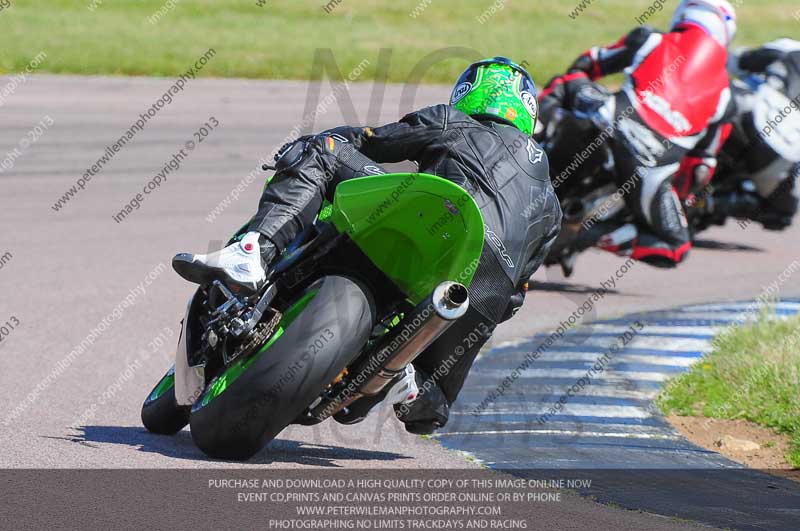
(249,404)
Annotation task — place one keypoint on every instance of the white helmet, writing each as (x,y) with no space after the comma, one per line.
(717,17)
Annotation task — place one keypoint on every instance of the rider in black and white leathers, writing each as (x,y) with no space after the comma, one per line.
(774,174)
(503,169)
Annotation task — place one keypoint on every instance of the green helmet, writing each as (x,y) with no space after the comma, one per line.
(497,89)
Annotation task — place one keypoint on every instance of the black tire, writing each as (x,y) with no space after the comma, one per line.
(163,415)
(287,378)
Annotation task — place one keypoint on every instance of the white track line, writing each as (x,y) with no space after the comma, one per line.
(678,361)
(657,329)
(566,433)
(577,341)
(569,409)
(677,344)
(738,317)
(550,390)
(610,376)
(745,307)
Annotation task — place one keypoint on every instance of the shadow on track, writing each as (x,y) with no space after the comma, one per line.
(713,245)
(181,446)
(566,287)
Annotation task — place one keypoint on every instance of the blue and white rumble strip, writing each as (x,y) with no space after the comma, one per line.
(586,402)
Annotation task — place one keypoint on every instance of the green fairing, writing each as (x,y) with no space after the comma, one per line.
(419,229)
(163,386)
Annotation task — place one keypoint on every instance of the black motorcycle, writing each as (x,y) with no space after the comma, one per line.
(583,174)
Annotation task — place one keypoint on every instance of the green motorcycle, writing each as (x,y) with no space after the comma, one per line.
(357,296)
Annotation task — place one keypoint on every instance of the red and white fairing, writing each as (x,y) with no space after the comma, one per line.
(679,83)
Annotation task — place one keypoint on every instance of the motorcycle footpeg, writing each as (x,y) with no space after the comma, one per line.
(358,410)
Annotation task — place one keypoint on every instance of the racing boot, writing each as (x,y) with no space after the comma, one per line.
(644,246)
(427,411)
(620,241)
(241,265)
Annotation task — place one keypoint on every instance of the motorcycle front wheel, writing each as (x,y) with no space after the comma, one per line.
(161,414)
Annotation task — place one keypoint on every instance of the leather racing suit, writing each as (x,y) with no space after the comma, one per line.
(505,172)
(666,119)
(769,156)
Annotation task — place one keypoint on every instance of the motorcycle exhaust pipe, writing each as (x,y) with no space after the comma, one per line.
(400,346)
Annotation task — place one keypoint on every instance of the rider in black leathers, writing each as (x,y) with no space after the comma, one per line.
(501,167)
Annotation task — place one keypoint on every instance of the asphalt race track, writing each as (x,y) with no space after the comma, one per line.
(70,269)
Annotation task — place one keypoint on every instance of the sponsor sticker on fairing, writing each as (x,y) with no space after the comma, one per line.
(663,108)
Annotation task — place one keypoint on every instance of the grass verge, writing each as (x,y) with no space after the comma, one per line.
(753,373)
(277,39)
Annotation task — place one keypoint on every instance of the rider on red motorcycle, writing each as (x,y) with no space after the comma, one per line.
(666,121)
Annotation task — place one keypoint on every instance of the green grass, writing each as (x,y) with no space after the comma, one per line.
(278,40)
(753,373)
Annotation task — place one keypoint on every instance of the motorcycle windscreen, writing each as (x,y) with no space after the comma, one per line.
(418,229)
